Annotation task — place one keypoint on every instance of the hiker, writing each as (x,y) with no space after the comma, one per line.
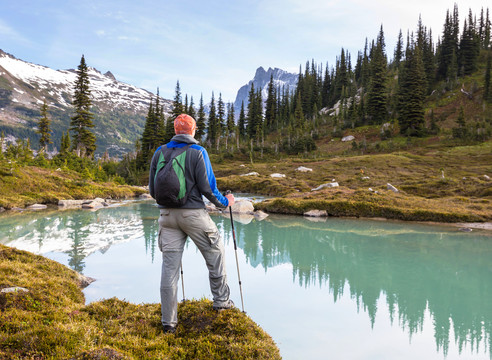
(191,219)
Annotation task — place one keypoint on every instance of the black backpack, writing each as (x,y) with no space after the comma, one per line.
(169,180)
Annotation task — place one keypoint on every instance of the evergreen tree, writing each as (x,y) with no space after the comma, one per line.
(376,96)
(486,89)
(147,141)
(221,116)
(191,108)
(200,121)
(242,121)
(65,143)
(271,105)
(84,141)
(212,122)
(398,50)
(469,47)
(299,115)
(44,128)
(178,108)
(412,93)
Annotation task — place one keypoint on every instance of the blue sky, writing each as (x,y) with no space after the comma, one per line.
(209,45)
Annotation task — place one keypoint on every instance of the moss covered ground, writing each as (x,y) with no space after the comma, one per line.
(435,182)
(51,321)
(21,186)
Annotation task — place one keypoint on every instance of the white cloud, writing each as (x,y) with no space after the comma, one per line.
(8,31)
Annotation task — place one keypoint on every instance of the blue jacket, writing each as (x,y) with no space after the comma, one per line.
(200,178)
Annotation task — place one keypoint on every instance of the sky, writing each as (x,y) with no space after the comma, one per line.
(208,46)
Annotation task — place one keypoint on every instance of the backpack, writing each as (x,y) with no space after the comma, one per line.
(169,180)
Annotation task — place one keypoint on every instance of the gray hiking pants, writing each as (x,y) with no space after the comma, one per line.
(175,225)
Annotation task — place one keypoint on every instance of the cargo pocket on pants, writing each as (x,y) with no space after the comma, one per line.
(159,240)
(213,237)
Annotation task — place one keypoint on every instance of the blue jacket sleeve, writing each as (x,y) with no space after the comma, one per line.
(207,183)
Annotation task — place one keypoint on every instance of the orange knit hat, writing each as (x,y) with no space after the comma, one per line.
(184,124)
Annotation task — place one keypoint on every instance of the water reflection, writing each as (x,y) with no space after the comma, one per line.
(418,269)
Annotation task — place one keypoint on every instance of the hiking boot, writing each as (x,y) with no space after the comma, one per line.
(168,329)
(229,304)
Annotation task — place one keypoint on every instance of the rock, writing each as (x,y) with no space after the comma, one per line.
(93,204)
(36,207)
(303,169)
(145,196)
(392,188)
(365,178)
(244,219)
(348,138)
(316,219)
(84,281)
(70,203)
(13,289)
(2,209)
(465,229)
(332,184)
(486,177)
(260,215)
(243,207)
(253,173)
(242,165)
(316,213)
(277,175)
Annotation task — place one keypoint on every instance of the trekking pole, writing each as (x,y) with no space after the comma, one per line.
(182,281)
(235,251)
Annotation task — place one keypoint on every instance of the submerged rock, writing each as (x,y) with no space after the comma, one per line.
(36,207)
(260,215)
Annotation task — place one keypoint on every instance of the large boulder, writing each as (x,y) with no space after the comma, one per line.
(243,207)
(37,207)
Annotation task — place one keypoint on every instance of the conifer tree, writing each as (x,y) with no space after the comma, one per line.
(147,141)
(398,50)
(191,108)
(486,89)
(212,122)
(200,121)
(84,141)
(412,93)
(242,122)
(65,143)
(376,95)
(299,115)
(271,105)
(44,128)
(178,108)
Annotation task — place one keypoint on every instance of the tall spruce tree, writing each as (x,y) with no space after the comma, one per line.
(487,96)
(242,121)
(200,121)
(44,128)
(412,92)
(271,105)
(212,123)
(398,50)
(376,95)
(178,107)
(84,141)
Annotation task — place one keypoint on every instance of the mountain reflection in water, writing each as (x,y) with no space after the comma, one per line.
(418,269)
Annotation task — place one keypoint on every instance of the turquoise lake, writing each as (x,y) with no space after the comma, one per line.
(330,289)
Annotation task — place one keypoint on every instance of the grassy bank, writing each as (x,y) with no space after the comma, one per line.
(27,185)
(50,321)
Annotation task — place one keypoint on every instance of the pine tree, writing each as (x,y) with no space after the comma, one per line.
(212,123)
(242,122)
(44,128)
(177,103)
(147,141)
(486,89)
(65,143)
(376,95)
(398,50)
(200,121)
(299,115)
(271,105)
(84,141)
(412,93)
(191,108)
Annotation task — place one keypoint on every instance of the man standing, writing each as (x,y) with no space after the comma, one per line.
(190,219)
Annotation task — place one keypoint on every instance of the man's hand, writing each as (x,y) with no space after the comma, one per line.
(231,199)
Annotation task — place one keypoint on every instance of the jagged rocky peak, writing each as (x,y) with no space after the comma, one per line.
(110,75)
(281,78)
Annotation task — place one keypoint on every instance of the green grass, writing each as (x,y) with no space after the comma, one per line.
(27,185)
(52,322)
